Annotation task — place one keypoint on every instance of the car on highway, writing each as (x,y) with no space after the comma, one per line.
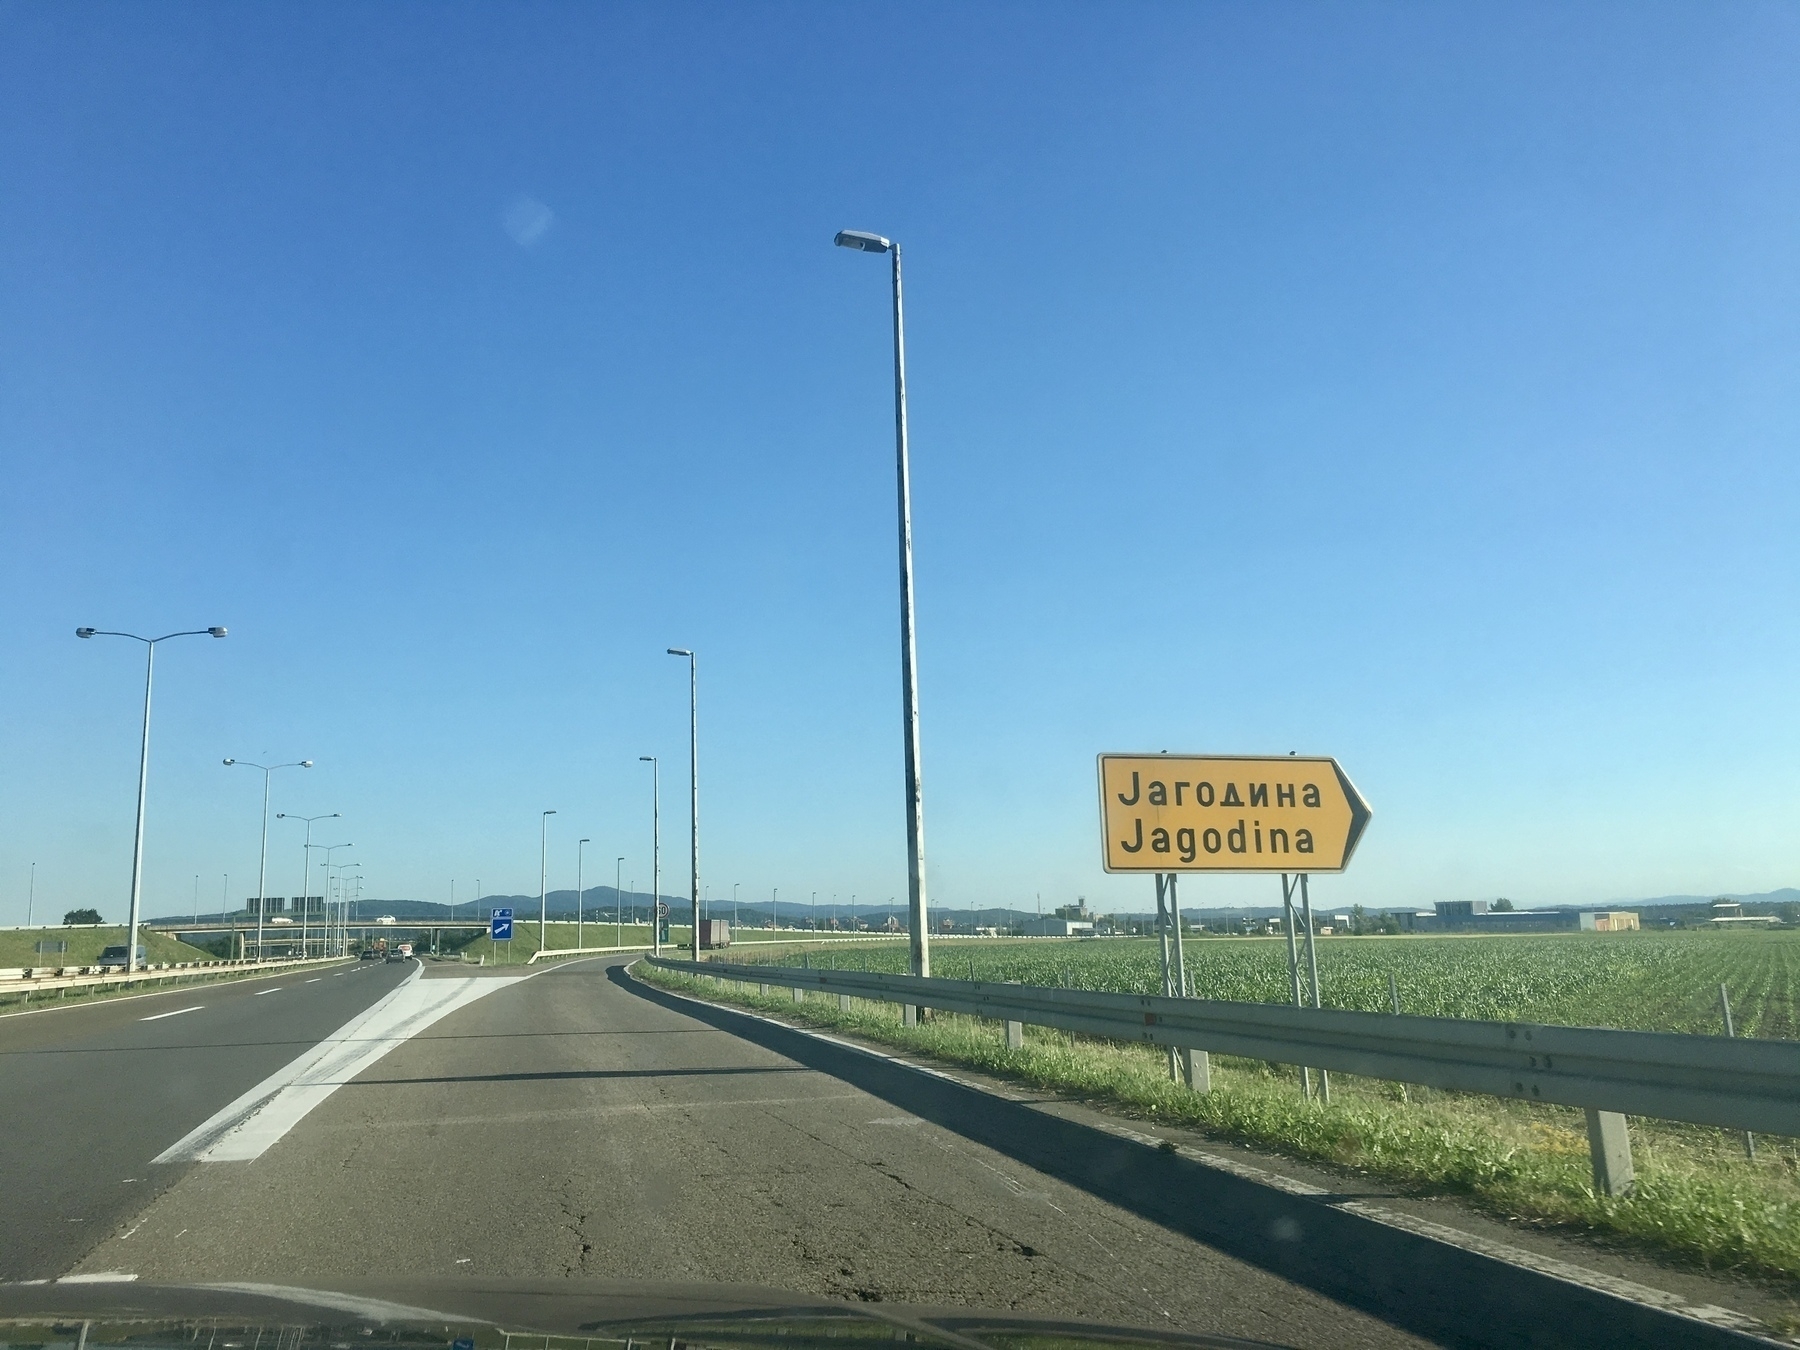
(397,955)
(369,954)
(114,957)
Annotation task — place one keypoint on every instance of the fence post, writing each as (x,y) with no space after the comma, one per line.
(1015,1035)
(1609,1143)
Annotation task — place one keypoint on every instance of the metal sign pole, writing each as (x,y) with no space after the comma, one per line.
(1163,886)
(1312,961)
(1287,909)
(1181,984)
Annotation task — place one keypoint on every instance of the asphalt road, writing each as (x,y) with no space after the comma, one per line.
(567,1125)
(92,1092)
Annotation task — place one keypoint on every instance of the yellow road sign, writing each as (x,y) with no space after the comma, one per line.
(1228,813)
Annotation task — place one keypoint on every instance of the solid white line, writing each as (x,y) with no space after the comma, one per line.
(276,990)
(157,1017)
(245,1129)
(314,980)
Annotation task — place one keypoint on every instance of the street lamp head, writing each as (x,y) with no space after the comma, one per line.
(862,240)
(216,632)
(231,761)
(549,813)
(306,764)
(646,759)
(85,632)
(679,651)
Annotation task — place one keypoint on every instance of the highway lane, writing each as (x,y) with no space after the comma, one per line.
(93,1091)
(566,1125)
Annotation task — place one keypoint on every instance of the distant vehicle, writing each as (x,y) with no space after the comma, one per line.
(395,955)
(387,918)
(115,956)
(369,954)
(405,950)
(280,919)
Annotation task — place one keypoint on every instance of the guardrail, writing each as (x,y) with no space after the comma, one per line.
(35,979)
(1737,1084)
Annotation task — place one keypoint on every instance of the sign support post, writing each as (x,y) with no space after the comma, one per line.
(1287,908)
(1312,963)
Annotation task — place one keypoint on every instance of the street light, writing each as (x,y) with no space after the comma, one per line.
(305,868)
(341,929)
(618,900)
(137,844)
(325,903)
(262,867)
(543,866)
(655,852)
(580,844)
(909,657)
(734,917)
(693,789)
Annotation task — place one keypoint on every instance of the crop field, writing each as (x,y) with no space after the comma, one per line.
(1643,981)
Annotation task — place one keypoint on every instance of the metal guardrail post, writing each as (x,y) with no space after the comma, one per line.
(1015,1035)
(1609,1143)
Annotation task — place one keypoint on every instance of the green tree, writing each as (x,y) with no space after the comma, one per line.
(83,916)
(1502,905)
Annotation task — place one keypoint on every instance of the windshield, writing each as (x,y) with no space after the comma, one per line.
(1146,645)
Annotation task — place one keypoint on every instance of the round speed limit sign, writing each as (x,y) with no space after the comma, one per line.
(662,909)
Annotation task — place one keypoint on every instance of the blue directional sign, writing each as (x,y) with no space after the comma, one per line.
(500,925)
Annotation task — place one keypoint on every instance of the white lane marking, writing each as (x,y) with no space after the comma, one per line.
(157,1017)
(313,980)
(373,1309)
(100,1277)
(276,990)
(244,1130)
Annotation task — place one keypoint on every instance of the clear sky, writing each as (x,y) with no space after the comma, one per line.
(1411,383)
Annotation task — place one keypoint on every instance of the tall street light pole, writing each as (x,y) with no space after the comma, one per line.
(543,873)
(262,867)
(909,659)
(655,853)
(325,901)
(137,843)
(693,789)
(618,902)
(580,844)
(305,869)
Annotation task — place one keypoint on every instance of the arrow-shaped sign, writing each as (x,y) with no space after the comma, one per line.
(1228,813)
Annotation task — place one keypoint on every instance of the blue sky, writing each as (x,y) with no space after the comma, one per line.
(1408,383)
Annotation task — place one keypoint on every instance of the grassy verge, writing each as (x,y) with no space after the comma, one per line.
(1698,1199)
(85,944)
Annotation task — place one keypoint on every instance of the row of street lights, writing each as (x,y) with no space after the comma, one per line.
(864,242)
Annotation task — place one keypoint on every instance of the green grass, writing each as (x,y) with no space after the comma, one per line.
(1646,981)
(85,944)
(1698,1199)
